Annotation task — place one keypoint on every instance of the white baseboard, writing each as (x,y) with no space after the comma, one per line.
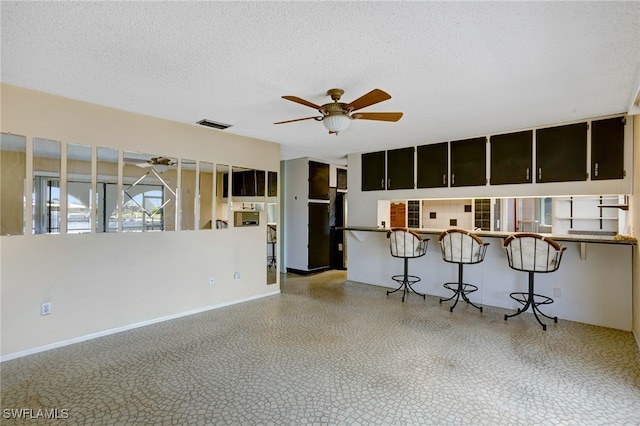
(91,336)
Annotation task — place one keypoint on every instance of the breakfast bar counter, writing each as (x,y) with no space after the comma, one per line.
(593,284)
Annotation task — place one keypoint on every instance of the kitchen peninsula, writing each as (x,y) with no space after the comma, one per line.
(592,286)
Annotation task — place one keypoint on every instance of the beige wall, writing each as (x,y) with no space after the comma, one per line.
(98,283)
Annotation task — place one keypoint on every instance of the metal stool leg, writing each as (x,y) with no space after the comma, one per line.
(406,281)
(460,289)
(528,300)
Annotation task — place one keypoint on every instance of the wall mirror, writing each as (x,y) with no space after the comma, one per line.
(248,182)
(13,167)
(46,186)
(78,189)
(222,196)
(148,192)
(272,227)
(188,195)
(205,195)
(106,192)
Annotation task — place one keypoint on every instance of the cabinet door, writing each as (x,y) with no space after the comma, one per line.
(238,187)
(272,184)
(342,178)
(469,162)
(511,158)
(248,183)
(318,181)
(607,149)
(373,171)
(561,153)
(433,165)
(260,182)
(319,236)
(400,167)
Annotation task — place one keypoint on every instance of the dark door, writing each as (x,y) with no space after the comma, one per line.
(469,162)
(319,250)
(607,148)
(400,167)
(561,153)
(433,165)
(373,171)
(337,234)
(511,157)
(318,181)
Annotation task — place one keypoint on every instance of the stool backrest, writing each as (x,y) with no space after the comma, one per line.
(533,253)
(459,246)
(272,234)
(406,243)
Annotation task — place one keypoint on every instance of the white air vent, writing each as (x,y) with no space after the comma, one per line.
(214,124)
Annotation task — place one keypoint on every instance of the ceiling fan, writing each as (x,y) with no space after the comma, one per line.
(336,115)
(159,164)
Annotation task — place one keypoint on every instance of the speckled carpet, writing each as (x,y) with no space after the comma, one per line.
(329,351)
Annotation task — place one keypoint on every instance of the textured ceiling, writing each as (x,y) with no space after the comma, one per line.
(456,69)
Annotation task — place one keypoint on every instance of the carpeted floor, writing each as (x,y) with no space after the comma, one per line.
(329,351)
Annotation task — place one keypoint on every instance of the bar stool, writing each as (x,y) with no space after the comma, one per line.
(406,245)
(532,253)
(461,247)
(272,236)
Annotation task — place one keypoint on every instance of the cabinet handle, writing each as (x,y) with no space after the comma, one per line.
(382,183)
(527,174)
(540,173)
(453,179)
(388,183)
(596,170)
(444,179)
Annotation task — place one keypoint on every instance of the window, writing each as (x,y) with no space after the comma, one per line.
(546,216)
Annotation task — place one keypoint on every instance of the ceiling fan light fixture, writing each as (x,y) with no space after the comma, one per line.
(336,122)
(160,168)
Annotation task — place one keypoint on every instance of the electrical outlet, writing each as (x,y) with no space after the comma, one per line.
(236,276)
(212,280)
(45,308)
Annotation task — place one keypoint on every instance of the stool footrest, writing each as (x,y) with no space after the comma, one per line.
(523,298)
(406,282)
(460,289)
(533,300)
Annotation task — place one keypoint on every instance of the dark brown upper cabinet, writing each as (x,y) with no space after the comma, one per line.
(272,184)
(433,165)
(318,181)
(341,178)
(469,162)
(561,153)
(400,168)
(249,183)
(607,148)
(511,158)
(373,171)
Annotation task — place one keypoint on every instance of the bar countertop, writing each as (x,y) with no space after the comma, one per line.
(574,238)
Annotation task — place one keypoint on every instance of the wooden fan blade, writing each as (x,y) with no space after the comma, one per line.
(380,116)
(303,102)
(298,119)
(373,97)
